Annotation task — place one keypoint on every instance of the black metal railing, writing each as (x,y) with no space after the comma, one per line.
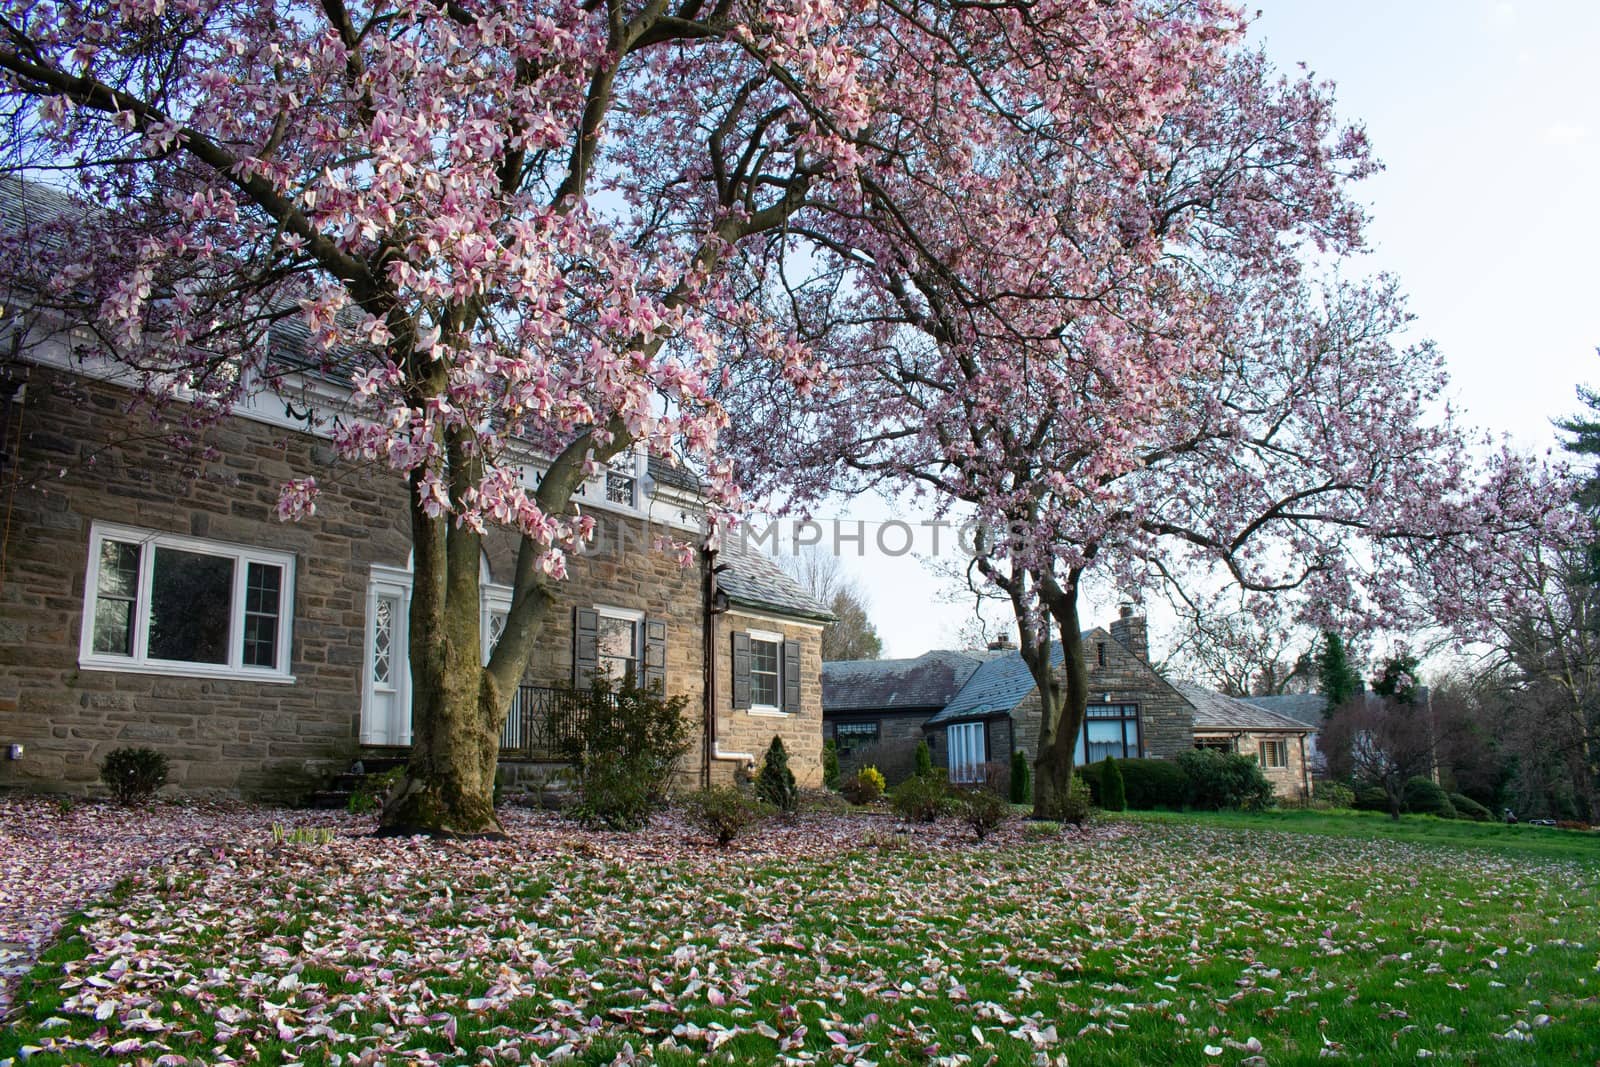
(542,720)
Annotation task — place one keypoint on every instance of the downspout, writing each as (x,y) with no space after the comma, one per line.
(708,560)
(1305,768)
(716,604)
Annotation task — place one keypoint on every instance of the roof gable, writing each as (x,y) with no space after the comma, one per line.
(927,682)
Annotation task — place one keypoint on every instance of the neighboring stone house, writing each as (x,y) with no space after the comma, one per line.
(146,604)
(1307,709)
(1132,711)
(1278,743)
(874,709)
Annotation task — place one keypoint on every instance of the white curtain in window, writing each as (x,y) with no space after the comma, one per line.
(967,753)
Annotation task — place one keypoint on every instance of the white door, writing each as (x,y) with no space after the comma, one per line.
(967,752)
(386,696)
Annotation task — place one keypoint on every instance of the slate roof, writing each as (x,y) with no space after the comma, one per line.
(1305,708)
(926,682)
(997,686)
(679,476)
(752,580)
(1214,711)
(27,202)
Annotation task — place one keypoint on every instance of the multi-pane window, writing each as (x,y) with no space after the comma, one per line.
(179,605)
(622,486)
(849,736)
(766,672)
(1274,753)
(618,647)
(1108,730)
(1218,744)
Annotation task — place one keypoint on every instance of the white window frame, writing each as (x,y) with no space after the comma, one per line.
(771,638)
(140,662)
(635,616)
(1277,745)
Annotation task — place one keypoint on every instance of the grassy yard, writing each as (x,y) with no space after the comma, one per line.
(1153,940)
(1542,842)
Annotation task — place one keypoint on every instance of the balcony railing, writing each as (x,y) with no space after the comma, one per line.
(541,720)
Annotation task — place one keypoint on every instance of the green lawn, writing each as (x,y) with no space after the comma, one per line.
(1542,842)
(1149,940)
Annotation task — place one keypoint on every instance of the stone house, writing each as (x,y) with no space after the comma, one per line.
(874,709)
(1133,712)
(1307,709)
(1279,743)
(148,599)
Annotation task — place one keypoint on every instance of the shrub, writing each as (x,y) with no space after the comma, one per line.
(919,798)
(1218,780)
(830,764)
(863,787)
(1371,798)
(823,800)
(1333,795)
(1423,796)
(1152,783)
(722,811)
(982,809)
(1467,808)
(1021,785)
(373,789)
(1074,807)
(133,774)
(1090,774)
(923,759)
(1112,796)
(623,752)
(775,784)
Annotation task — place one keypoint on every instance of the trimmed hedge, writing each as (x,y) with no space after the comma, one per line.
(1424,797)
(1113,793)
(1219,780)
(1146,783)
(1467,808)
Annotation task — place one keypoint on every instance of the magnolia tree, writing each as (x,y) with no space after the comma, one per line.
(529,232)
(1132,374)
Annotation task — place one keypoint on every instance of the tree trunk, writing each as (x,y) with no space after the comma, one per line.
(1061,710)
(459,705)
(456,707)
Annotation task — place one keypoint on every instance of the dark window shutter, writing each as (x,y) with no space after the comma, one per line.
(585,646)
(741,669)
(654,676)
(791,676)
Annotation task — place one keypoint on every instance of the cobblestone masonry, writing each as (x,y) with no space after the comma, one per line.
(85,457)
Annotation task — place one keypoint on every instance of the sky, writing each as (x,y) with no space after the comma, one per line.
(1486,116)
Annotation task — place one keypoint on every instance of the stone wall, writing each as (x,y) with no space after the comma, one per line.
(895,751)
(84,457)
(742,733)
(1288,782)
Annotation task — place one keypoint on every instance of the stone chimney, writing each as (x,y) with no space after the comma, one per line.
(1132,633)
(1001,644)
